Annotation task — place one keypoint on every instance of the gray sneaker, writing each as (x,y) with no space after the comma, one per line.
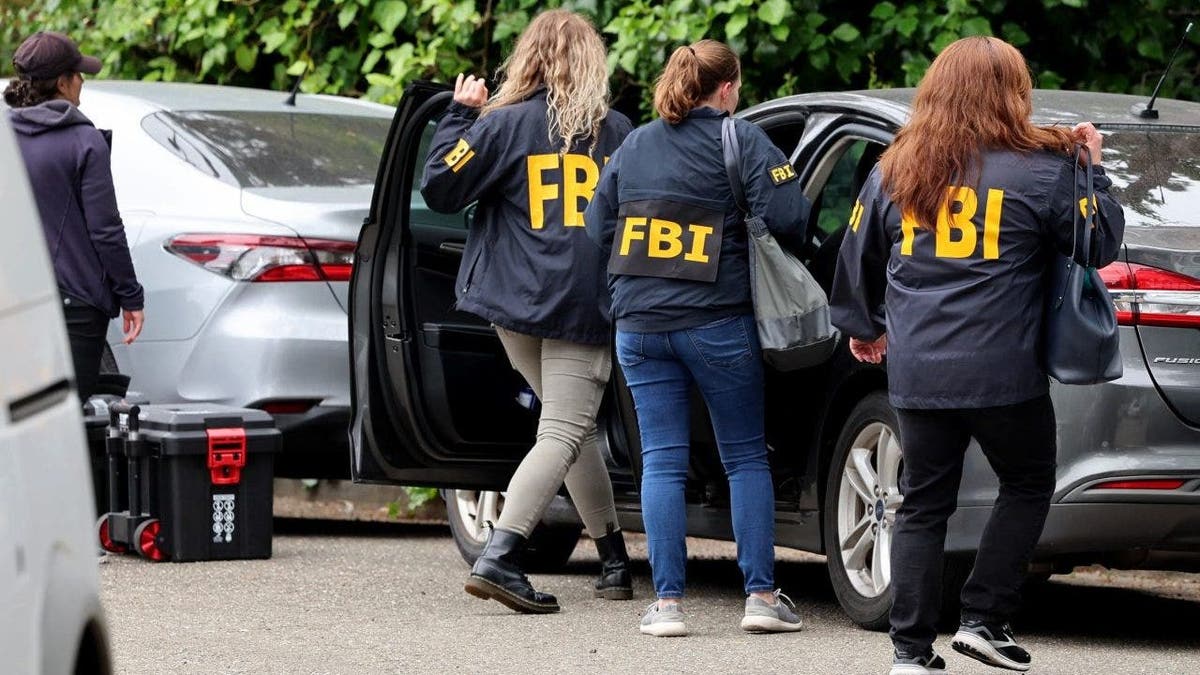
(666,622)
(764,617)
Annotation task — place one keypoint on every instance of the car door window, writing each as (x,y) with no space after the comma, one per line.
(422,214)
(842,187)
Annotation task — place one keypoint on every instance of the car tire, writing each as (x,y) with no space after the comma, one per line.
(470,511)
(858,533)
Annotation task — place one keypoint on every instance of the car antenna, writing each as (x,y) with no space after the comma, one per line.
(1147,111)
(291,99)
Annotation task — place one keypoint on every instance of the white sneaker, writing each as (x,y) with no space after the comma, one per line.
(663,621)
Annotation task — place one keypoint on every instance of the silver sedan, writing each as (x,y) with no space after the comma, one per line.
(242,209)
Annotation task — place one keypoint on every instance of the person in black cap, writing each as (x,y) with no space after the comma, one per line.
(70,171)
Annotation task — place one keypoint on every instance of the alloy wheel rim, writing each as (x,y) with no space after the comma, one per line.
(477,508)
(868,498)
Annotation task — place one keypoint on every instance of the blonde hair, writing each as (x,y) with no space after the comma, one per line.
(692,74)
(562,51)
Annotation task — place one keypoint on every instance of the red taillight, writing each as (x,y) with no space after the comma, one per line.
(1158,484)
(1148,296)
(247,257)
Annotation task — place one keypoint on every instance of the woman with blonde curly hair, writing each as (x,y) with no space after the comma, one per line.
(531,156)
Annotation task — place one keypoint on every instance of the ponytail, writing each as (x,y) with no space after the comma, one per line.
(692,74)
(25,93)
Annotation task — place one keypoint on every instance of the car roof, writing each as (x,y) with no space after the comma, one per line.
(1049,106)
(178,96)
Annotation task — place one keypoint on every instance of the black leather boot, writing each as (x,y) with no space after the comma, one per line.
(615,582)
(497,575)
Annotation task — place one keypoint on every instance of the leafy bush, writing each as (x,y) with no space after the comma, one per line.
(373,48)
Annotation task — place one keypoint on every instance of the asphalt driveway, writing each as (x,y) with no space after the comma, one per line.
(369,598)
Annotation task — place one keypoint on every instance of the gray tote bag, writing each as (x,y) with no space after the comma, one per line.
(790,308)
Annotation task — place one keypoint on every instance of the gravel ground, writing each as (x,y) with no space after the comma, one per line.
(373,598)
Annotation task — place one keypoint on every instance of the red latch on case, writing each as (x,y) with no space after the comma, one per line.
(226,455)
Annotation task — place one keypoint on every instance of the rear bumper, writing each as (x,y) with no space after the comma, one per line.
(1094,528)
(266,342)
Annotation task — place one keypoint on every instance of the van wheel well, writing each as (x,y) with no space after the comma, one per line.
(93,657)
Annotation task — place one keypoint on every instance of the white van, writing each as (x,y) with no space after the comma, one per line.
(50,616)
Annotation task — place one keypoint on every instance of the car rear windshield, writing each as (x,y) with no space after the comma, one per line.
(1155,174)
(274,149)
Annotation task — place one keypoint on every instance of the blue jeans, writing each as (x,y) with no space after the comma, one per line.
(723,359)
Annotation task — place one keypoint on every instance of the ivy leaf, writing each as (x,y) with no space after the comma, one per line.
(737,24)
(942,41)
(846,33)
(246,56)
(298,68)
(346,16)
(629,61)
(907,25)
(772,12)
(781,32)
(883,11)
(371,61)
(819,60)
(976,26)
(1015,34)
(271,41)
(1150,48)
(388,15)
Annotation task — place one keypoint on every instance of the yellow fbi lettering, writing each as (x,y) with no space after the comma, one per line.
(665,238)
(457,158)
(957,236)
(579,177)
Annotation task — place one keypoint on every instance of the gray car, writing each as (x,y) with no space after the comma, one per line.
(436,403)
(242,210)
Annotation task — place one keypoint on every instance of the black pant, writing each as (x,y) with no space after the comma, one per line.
(86,330)
(1019,443)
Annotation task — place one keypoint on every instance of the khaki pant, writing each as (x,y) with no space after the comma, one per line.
(569,379)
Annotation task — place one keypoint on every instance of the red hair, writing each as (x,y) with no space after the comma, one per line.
(975,96)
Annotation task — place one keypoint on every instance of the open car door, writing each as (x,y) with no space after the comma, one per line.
(435,400)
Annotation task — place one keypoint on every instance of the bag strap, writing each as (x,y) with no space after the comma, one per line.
(1087,211)
(732,152)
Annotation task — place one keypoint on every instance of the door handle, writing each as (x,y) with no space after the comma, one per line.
(452,247)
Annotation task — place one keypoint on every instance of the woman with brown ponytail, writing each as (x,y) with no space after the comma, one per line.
(677,250)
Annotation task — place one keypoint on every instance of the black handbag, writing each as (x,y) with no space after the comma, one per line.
(1080,339)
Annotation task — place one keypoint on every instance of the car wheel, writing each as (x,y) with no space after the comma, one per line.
(862,494)
(470,511)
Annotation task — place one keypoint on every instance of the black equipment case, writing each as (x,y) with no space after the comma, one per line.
(197,482)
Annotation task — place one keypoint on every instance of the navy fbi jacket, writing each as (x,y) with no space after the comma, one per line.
(672,237)
(528,265)
(964,305)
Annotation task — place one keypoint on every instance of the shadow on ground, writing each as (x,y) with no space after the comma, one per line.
(1094,615)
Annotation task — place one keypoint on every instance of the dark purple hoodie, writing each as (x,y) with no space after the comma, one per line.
(70,170)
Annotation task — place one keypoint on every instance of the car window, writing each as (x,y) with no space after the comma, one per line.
(1155,174)
(257,149)
(844,182)
(422,214)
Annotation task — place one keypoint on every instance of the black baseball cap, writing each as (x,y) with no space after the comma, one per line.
(46,55)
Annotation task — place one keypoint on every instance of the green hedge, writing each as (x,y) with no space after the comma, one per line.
(373,47)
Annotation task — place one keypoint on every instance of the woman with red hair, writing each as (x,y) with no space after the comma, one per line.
(951,239)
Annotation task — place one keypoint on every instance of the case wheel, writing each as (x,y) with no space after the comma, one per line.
(146,536)
(106,540)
